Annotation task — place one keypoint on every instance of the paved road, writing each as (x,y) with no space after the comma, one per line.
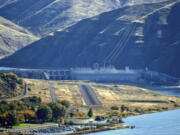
(89,95)
(52,92)
(25,91)
(52,89)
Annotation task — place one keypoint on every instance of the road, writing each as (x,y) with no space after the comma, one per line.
(52,89)
(52,92)
(89,95)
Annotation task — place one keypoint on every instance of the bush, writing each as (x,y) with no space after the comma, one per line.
(114,113)
(138,110)
(99,118)
(90,112)
(9,119)
(114,108)
(44,113)
(81,114)
(65,103)
(69,123)
(124,108)
(58,111)
(28,115)
(11,79)
(32,101)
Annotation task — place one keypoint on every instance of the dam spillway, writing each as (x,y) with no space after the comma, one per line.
(97,75)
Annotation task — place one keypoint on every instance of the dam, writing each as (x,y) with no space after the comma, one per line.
(107,75)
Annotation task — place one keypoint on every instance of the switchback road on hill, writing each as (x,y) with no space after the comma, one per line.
(89,95)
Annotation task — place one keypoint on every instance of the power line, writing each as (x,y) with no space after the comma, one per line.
(121,44)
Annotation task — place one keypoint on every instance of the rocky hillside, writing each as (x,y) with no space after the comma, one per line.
(13,37)
(137,36)
(45,16)
(10,85)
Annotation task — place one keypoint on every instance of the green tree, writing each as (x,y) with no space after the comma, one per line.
(114,108)
(32,101)
(9,119)
(124,108)
(3,108)
(65,103)
(90,112)
(58,111)
(12,106)
(44,113)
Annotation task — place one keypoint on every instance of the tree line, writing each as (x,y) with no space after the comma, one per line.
(31,110)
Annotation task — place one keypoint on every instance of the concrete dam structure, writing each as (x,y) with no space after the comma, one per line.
(98,75)
(39,73)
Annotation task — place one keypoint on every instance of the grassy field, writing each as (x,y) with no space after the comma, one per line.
(22,125)
(39,88)
(109,95)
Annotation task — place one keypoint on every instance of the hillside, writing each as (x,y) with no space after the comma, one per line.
(45,16)
(136,36)
(10,85)
(13,37)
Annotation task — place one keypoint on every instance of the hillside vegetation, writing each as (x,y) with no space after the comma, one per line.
(13,37)
(10,85)
(45,16)
(137,36)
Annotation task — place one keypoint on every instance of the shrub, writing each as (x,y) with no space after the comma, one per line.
(44,113)
(28,115)
(99,118)
(90,112)
(114,108)
(81,114)
(9,119)
(65,103)
(32,100)
(58,111)
(124,108)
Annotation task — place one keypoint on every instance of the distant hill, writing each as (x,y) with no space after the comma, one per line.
(45,16)
(10,85)
(13,37)
(141,36)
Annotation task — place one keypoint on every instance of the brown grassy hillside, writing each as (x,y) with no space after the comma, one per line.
(10,85)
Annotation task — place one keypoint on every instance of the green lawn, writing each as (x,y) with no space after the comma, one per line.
(25,125)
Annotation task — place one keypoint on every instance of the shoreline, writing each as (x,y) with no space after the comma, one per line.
(102,127)
(137,100)
(116,127)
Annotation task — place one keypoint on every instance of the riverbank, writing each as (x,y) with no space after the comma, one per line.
(111,127)
(100,129)
(79,128)
(165,123)
(127,101)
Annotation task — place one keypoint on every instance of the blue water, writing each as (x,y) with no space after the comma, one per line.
(169,90)
(163,123)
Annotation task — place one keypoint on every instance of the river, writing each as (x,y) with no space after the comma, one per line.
(162,123)
(168,90)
